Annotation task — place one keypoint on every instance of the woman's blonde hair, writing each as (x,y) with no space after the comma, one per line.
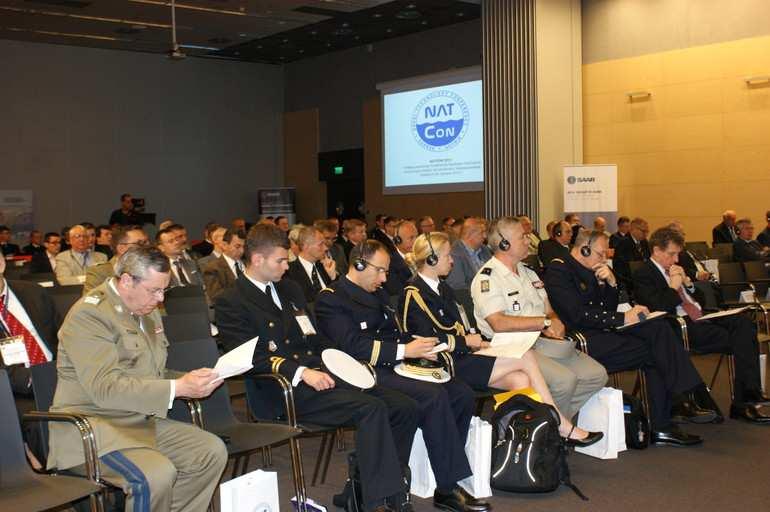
(422,248)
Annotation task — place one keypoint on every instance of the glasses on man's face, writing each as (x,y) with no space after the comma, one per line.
(380,270)
(158,292)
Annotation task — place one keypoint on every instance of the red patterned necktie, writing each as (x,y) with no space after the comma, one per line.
(16,328)
(691,309)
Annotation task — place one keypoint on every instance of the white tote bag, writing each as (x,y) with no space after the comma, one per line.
(253,492)
(603,412)
(478,449)
(423,480)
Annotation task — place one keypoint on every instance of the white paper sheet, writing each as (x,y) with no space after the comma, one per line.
(237,361)
(720,314)
(441,347)
(510,344)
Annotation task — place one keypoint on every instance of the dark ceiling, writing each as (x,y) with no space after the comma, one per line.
(273,32)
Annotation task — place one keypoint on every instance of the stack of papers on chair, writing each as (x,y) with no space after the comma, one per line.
(239,360)
(720,314)
(510,344)
(652,316)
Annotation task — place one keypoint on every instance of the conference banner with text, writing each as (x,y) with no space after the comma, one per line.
(433,133)
(591,190)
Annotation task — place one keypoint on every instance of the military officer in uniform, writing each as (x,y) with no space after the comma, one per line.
(428,308)
(262,304)
(584,292)
(508,296)
(111,369)
(355,312)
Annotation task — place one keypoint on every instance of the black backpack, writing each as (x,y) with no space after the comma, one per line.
(637,426)
(528,454)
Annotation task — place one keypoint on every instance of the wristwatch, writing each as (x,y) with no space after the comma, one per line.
(546,323)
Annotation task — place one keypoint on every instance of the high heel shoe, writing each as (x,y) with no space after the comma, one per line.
(591,438)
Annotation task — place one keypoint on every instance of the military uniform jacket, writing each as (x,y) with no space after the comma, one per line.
(361,323)
(98,274)
(244,311)
(112,370)
(576,296)
(424,312)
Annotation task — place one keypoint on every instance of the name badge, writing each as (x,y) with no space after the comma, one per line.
(305,324)
(363,326)
(81,279)
(516,306)
(14,351)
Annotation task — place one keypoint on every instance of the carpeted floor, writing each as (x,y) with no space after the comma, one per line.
(728,472)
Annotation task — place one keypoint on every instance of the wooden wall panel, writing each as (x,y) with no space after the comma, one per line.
(300,159)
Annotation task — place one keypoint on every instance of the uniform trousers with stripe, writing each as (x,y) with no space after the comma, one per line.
(180,474)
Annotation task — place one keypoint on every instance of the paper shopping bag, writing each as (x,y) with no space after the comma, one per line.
(478,449)
(603,412)
(253,492)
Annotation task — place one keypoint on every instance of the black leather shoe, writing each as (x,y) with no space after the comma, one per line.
(591,438)
(688,412)
(674,436)
(756,397)
(459,501)
(750,412)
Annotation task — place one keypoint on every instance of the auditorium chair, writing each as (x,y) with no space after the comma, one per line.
(64,297)
(215,414)
(186,300)
(699,249)
(721,252)
(186,326)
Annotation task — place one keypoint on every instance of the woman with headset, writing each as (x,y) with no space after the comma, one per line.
(428,307)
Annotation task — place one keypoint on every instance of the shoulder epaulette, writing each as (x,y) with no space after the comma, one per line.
(330,290)
(487,271)
(411,287)
(94,298)
(557,260)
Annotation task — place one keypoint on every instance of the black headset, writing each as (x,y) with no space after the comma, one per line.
(586,249)
(432,258)
(503,244)
(397,238)
(360,262)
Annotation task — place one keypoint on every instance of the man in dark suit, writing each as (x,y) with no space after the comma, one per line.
(329,231)
(764,237)
(385,234)
(573,219)
(313,270)
(557,246)
(45,262)
(205,246)
(399,271)
(745,248)
(221,273)
(724,232)
(583,291)
(621,233)
(353,232)
(35,244)
(184,271)
(357,314)
(104,241)
(6,247)
(27,310)
(662,285)
(262,304)
(633,248)
(125,215)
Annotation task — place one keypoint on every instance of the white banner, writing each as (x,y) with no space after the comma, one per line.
(17,212)
(590,188)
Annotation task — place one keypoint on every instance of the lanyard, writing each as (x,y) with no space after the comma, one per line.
(4,331)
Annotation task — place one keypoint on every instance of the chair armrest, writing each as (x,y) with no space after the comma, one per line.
(87,437)
(288,394)
(370,369)
(196,410)
(682,325)
(580,340)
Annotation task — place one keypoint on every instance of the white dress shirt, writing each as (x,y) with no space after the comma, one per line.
(309,270)
(232,264)
(17,309)
(679,309)
(51,260)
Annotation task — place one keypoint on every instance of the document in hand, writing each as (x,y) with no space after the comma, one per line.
(652,316)
(239,360)
(510,344)
(720,314)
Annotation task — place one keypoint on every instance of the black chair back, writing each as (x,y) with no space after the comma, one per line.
(191,355)
(64,297)
(185,300)
(40,277)
(757,273)
(721,252)
(732,281)
(44,380)
(14,271)
(186,326)
(14,469)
